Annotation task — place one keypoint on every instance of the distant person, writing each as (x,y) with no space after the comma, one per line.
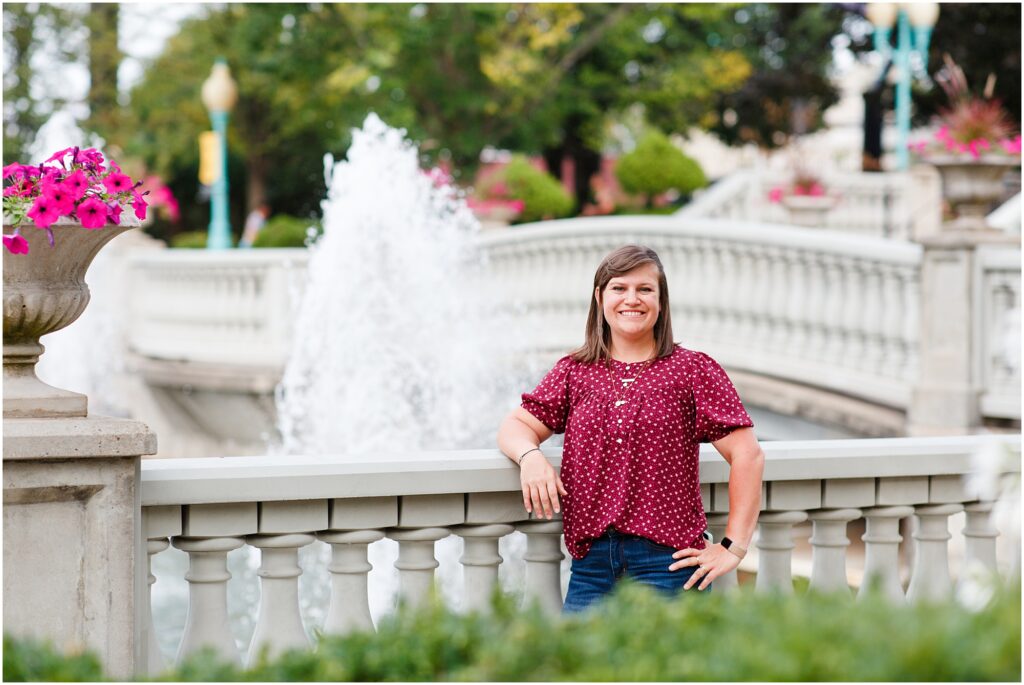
(254,224)
(634,407)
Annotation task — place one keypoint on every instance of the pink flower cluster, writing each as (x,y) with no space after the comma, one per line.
(72,182)
(813,189)
(975,147)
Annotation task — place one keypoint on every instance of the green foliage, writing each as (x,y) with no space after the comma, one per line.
(189,240)
(542,195)
(655,166)
(35,660)
(639,636)
(283,230)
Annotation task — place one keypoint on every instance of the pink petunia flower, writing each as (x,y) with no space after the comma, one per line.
(92,213)
(13,169)
(114,213)
(775,195)
(60,195)
(117,182)
(76,184)
(139,204)
(16,244)
(44,212)
(59,155)
(1011,146)
(816,190)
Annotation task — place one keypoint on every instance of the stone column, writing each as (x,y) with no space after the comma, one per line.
(75,568)
(945,396)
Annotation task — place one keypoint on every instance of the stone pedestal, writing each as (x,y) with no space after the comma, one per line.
(74,566)
(945,399)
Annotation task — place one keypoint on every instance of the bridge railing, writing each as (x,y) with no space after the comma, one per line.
(882,205)
(835,311)
(208,507)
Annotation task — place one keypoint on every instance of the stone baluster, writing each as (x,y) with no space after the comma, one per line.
(480,560)
(980,534)
(207,623)
(930,579)
(716,524)
(543,564)
(910,280)
(716,304)
(744,292)
(852,331)
(829,543)
(729,293)
(872,317)
(761,297)
(835,284)
(702,269)
(775,550)
(416,562)
(815,312)
(349,609)
(780,287)
(893,352)
(882,552)
(797,302)
(155,663)
(279,624)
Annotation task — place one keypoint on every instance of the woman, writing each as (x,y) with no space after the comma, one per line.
(634,407)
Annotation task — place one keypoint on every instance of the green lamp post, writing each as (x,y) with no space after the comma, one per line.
(219,95)
(914,22)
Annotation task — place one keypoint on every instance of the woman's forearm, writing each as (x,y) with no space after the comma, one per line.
(745,475)
(516,437)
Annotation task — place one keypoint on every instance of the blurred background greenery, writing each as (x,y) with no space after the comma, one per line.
(549,81)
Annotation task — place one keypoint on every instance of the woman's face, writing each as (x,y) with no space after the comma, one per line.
(631,303)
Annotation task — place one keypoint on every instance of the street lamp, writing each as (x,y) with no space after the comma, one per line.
(921,17)
(219,95)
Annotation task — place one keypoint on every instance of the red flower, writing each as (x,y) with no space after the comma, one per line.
(44,212)
(92,213)
(60,195)
(16,244)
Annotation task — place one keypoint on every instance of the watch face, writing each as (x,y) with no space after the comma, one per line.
(726,542)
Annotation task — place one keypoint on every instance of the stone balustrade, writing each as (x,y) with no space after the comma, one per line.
(208,507)
(872,204)
(828,310)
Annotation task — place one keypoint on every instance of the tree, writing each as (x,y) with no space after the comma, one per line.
(104,59)
(656,166)
(789,46)
(31,31)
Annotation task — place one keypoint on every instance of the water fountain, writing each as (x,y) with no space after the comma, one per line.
(396,348)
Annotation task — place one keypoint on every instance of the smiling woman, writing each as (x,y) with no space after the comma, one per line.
(634,407)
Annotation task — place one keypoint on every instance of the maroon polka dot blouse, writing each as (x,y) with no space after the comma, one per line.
(634,464)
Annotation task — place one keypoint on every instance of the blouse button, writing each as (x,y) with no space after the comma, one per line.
(620,420)
(619,440)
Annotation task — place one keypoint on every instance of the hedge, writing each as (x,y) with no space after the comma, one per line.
(284,230)
(656,166)
(637,636)
(542,195)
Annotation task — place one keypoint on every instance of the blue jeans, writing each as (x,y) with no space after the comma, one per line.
(614,555)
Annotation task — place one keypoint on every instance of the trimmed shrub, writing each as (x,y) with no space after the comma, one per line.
(639,636)
(284,230)
(189,240)
(36,660)
(542,195)
(657,166)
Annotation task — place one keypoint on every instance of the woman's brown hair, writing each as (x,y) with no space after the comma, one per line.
(597,345)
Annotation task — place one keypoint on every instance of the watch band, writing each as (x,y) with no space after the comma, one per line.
(733,547)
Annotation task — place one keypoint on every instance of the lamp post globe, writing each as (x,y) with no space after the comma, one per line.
(219,94)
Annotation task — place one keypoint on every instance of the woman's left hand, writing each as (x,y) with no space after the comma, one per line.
(711,562)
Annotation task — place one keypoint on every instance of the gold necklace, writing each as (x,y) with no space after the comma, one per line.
(627,383)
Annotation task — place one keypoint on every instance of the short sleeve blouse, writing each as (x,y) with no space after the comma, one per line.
(634,464)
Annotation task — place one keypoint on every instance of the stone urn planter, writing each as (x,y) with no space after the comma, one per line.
(809,210)
(45,291)
(972,186)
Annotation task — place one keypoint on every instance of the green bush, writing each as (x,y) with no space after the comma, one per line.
(283,230)
(542,195)
(35,660)
(656,166)
(638,636)
(189,239)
